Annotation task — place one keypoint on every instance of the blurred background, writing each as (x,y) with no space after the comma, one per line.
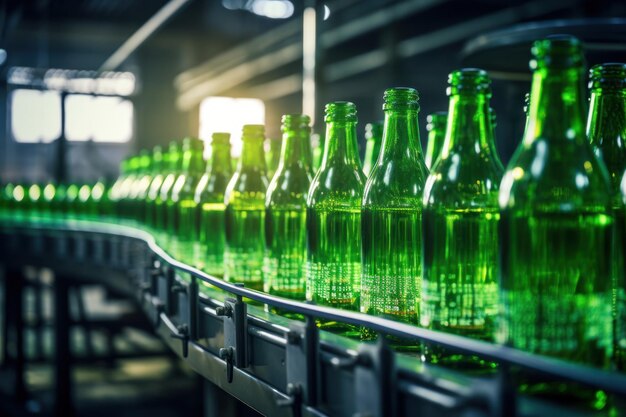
(111,77)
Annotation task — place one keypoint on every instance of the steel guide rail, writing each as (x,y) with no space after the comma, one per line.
(286,367)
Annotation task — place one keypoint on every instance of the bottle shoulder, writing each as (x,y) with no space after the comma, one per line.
(289,186)
(469,182)
(396,183)
(340,184)
(567,175)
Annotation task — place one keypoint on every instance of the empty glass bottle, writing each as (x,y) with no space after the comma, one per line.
(334,218)
(139,188)
(154,189)
(152,180)
(160,204)
(284,266)
(182,214)
(436,127)
(209,197)
(47,196)
(136,166)
(391,223)
(606,129)
(245,213)
(373,141)
(557,224)
(5,199)
(32,202)
(460,290)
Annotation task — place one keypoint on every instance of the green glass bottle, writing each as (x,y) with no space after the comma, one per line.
(606,130)
(272,155)
(126,187)
(373,140)
(16,204)
(209,198)
(47,196)
(83,203)
(153,166)
(57,206)
(183,215)
(245,213)
(284,265)
(143,177)
(160,171)
(5,200)
(70,202)
(31,202)
(459,285)
(556,225)
(175,166)
(391,224)
(334,218)
(436,126)
(99,205)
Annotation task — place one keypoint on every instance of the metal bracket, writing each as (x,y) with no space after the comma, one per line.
(375,380)
(302,358)
(182,333)
(235,334)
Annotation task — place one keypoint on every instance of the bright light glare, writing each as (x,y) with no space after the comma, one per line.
(274,9)
(35,115)
(99,118)
(326,12)
(226,114)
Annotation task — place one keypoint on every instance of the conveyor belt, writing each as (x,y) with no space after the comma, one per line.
(283,367)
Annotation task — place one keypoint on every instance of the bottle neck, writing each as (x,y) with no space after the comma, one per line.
(341,144)
(220,160)
(400,135)
(296,148)
(252,154)
(556,106)
(607,118)
(468,124)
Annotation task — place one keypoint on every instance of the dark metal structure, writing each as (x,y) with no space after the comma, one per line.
(277,366)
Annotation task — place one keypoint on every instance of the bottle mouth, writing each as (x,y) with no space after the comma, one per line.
(340,111)
(557,51)
(436,120)
(253,132)
(610,76)
(220,138)
(469,80)
(401,98)
(374,130)
(295,122)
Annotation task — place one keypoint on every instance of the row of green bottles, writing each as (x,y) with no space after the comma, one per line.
(45,201)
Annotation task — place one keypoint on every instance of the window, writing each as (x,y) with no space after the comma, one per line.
(35,115)
(98,118)
(226,114)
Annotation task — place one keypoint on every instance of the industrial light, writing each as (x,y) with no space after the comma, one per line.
(226,114)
